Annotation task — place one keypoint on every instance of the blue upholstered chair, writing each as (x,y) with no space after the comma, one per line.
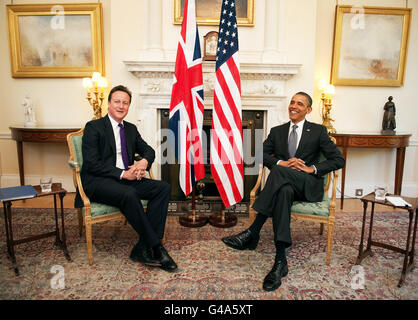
(92,212)
(322,212)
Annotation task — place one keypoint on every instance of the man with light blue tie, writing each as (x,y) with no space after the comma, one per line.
(291,152)
(110,176)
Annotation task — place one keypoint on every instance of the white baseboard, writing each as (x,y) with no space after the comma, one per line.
(11,180)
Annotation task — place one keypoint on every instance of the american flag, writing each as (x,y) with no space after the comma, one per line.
(226,140)
(186,107)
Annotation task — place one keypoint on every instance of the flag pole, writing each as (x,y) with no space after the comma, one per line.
(223,220)
(193,220)
(227,153)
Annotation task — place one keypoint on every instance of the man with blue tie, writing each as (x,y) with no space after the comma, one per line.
(291,152)
(110,176)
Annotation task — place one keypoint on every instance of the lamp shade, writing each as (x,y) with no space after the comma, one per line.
(87,83)
(322,85)
(329,89)
(96,76)
(102,82)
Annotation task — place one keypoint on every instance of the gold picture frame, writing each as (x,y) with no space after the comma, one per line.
(55,40)
(209,11)
(370,46)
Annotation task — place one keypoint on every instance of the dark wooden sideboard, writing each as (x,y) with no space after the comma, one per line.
(370,140)
(37,134)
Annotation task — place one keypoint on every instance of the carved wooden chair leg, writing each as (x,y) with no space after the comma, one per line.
(321,228)
(89,241)
(252,214)
(80,221)
(329,244)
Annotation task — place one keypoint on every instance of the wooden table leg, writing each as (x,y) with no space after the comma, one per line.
(57,230)
(412,253)
(9,234)
(400,160)
(6,224)
(408,240)
(360,249)
(63,237)
(60,240)
(19,145)
(343,177)
(369,241)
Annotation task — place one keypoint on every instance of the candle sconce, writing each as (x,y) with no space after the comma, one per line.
(95,92)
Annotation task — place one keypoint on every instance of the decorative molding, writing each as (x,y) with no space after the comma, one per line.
(413,143)
(250,71)
(257,79)
(5,135)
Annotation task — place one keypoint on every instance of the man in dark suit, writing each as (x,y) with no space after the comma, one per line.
(291,152)
(110,176)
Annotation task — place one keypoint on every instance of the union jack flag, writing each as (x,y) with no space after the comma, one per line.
(226,140)
(186,107)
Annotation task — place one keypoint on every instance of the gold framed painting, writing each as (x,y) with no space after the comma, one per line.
(370,46)
(55,40)
(209,11)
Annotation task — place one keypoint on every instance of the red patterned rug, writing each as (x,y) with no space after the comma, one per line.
(207,268)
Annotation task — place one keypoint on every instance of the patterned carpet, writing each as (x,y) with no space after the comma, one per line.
(207,268)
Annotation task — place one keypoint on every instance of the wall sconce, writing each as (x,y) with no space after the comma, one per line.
(327,91)
(95,92)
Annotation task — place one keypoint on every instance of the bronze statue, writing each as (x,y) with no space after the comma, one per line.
(389,123)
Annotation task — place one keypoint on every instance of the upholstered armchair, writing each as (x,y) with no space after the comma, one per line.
(322,212)
(92,212)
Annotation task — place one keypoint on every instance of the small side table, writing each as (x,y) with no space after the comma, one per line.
(61,242)
(408,263)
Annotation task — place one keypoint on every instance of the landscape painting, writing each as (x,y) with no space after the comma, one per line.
(370,46)
(55,40)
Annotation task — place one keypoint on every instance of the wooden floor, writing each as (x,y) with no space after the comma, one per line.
(350,205)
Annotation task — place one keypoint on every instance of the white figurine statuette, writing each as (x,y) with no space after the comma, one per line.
(30,120)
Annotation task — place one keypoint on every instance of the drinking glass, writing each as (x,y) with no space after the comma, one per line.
(46,184)
(380,193)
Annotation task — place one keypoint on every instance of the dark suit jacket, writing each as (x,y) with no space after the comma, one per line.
(99,152)
(314,140)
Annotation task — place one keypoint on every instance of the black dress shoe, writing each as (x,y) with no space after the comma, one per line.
(166,262)
(273,279)
(141,253)
(242,241)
